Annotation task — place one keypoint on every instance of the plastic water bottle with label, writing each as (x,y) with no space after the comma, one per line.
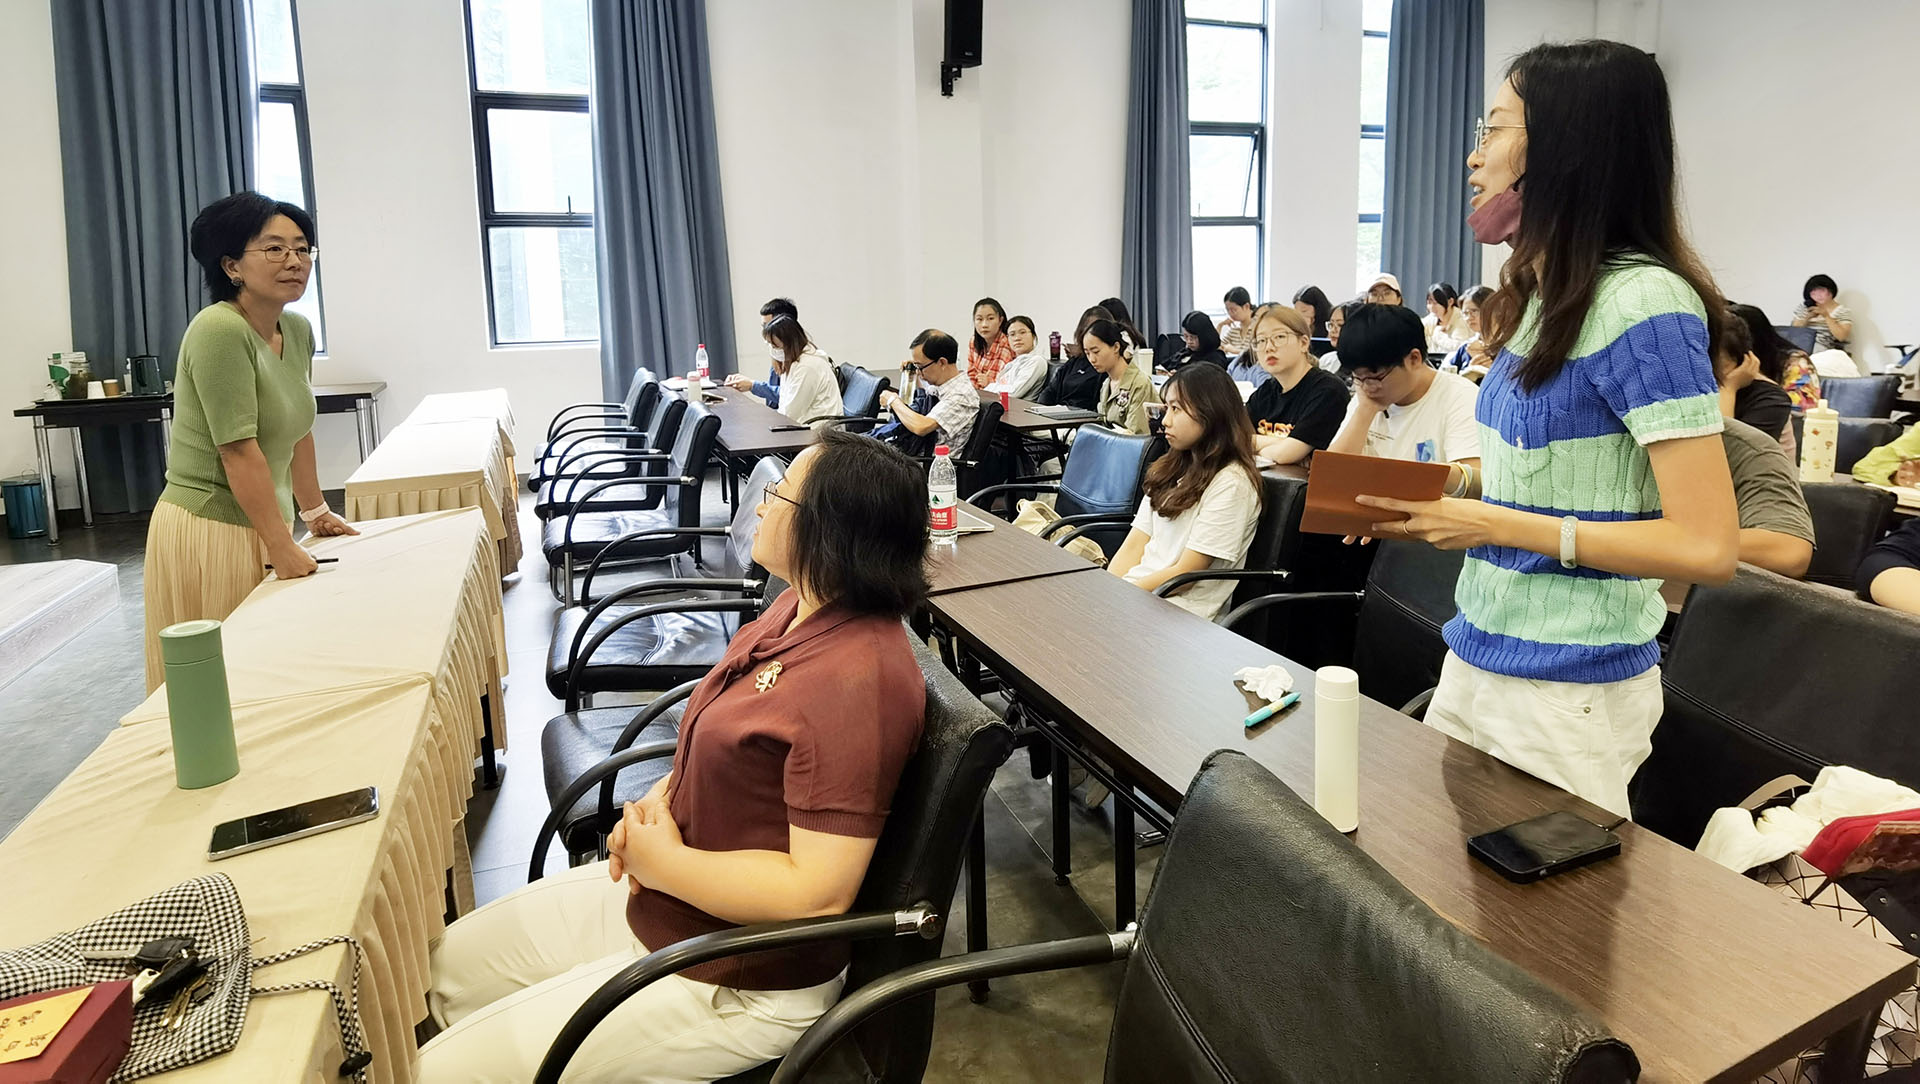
(700,367)
(943,514)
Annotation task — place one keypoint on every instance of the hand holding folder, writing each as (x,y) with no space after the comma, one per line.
(1334,480)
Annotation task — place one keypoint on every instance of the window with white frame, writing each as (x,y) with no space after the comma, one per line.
(1376,17)
(534,160)
(283,155)
(1227,140)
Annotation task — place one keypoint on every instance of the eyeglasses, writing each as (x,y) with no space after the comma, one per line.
(278,253)
(768,493)
(1372,381)
(1266,342)
(1481,128)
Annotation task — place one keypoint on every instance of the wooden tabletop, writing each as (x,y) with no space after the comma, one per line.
(1708,975)
(749,427)
(1020,415)
(1005,554)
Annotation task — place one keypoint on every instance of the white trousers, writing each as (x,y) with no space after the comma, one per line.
(508,976)
(1584,739)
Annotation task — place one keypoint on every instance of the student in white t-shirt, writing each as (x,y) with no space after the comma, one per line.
(1403,408)
(1203,496)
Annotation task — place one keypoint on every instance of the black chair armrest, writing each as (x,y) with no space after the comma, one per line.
(1089,528)
(1417,707)
(1087,519)
(1233,616)
(586,586)
(1037,486)
(566,538)
(654,709)
(577,663)
(921,920)
(567,410)
(890,990)
(587,780)
(569,440)
(654,587)
(581,451)
(1186,578)
(585,425)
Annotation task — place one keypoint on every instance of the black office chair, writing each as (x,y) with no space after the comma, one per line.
(1099,487)
(1858,436)
(1802,338)
(579,470)
(859,399)
(627,537)
(574,741)
(630,642)
(594,424)
(1397,646)
(897,918)
(1861,396)
(1847,520)
(984,460)
(1755,690)
(1273,949)
(1276,539)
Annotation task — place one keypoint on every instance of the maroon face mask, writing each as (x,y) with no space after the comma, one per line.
(1498,219)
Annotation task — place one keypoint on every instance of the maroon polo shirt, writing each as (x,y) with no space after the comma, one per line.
(820,746)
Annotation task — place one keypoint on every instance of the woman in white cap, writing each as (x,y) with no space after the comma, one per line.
(1385,290)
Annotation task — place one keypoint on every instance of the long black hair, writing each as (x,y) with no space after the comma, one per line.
(1769,346)
(860,526)
(980,345)
(1117,309)
(1599,187)
(1322,308)
(1200,326)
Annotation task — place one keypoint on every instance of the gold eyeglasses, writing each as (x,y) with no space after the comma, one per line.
(1481,128)
(278,253)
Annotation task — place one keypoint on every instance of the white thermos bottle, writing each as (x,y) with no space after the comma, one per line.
(1336,746)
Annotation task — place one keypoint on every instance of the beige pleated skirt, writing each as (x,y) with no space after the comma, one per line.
(196,568)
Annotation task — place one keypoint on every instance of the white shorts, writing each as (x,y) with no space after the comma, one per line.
(1585,739)
(508,976)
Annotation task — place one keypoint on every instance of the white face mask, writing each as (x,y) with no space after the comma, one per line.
(777,353)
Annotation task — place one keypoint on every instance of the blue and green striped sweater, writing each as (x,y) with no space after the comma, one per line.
(1576,445)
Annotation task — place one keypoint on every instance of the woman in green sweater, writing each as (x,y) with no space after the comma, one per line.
(1602,464)
(241,446)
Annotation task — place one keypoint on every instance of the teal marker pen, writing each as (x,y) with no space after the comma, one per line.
(1272,709)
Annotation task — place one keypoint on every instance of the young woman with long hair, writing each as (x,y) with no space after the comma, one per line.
(989,349)
(1602,467)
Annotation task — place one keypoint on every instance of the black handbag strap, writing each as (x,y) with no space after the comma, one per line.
(346,1007)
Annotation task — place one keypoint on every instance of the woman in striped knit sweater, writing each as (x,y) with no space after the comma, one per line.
(1603,471)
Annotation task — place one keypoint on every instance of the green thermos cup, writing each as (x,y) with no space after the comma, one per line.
(198,708)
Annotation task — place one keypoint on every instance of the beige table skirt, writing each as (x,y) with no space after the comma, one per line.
(118,830)
(440,466)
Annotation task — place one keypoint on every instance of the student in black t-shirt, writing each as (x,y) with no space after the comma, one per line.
(1297,412)
(1075,382)
(1891,573)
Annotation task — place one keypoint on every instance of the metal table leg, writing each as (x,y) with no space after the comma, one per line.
(373,421)
(1123,858)
(80,476)
(1062,827)
(361,420)
(44,450)
(977,897)
(166,434)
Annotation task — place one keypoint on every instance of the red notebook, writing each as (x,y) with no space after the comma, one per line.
(1335,480)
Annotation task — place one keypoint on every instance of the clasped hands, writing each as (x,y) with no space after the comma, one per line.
(646,832)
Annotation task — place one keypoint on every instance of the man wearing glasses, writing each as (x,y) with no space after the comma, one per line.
(1404,408)
(944,403)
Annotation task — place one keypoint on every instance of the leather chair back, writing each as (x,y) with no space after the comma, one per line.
(1397,648)
(642,392)
(1847,520)
(692,449)
(1756,689)
(1273,949)
(919,857)
(860,392)
(1860,396)
(1275,545)
(1105,471)
(1858,436)
(983,461)
(1802,338)
(657,429)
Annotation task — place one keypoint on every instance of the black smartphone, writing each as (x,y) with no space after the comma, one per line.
(293,822)
(1541,847)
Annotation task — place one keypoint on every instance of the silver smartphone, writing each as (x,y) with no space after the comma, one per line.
(293,822)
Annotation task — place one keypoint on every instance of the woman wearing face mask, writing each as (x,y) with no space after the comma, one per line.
(808,390)
(1471,358)
(1202,497)
(1602,465)
(989,348)
(1023,376)
(1202,343)
(1127,391)
(1299,410)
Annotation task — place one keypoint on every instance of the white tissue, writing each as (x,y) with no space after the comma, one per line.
(1269,683)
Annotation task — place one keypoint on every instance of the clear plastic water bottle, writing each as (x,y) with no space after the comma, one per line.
(700,362)
(943,515)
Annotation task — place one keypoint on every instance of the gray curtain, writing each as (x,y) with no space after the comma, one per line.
(660,232)
(1434,65)
(157,101)
(1156,230)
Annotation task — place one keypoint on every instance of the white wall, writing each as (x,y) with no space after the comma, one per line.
(881,207)
(392,130)
(33,256)
(1313,164)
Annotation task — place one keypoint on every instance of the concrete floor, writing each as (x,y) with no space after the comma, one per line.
(1043,1027)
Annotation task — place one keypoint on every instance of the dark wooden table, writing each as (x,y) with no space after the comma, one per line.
(750,429)
(1021,416)
(1005,554)
(1709,975)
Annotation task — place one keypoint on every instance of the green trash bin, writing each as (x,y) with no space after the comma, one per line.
(26,506)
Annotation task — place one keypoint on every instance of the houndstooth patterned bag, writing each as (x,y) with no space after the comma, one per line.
(208,910)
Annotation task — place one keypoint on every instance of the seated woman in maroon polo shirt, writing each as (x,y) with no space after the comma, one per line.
(789,754)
